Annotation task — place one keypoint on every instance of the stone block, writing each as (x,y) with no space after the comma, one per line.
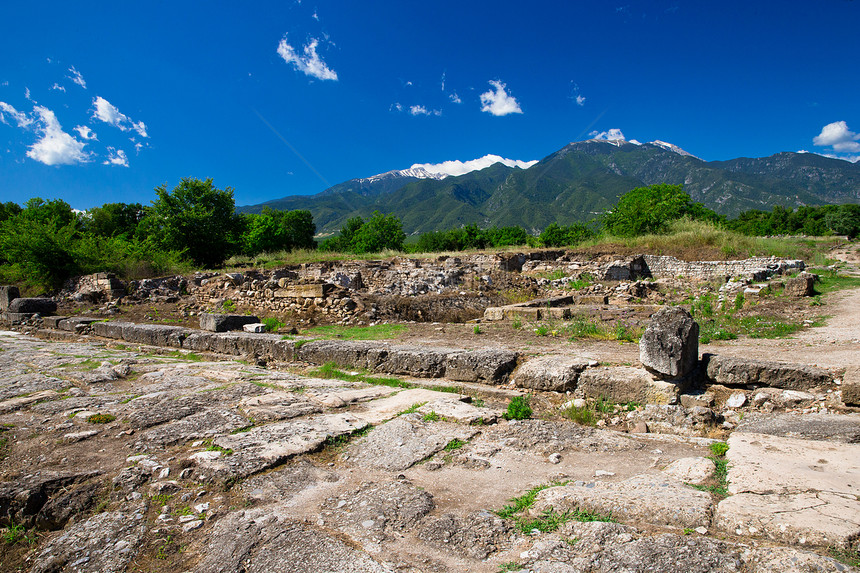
(8,293)
(304,291)
(154,334)
(348,354)
(52,321)
(557,313)
(552,372)
(619,384)
(592,299)
(416,361)
(801,285)
(732,371)
(75,323)
(225,322)
(494,313)
(851,386)
(43,306)
(256,327)
(669,346)
(486,366)
(522,312)
(112,329)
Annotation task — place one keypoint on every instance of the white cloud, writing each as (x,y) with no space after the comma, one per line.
(443,81)
(498,102)
(77,77)
(611,135)
(455,98)
(116,157)
(86,133)
(580,100)
(56,147)
(27,94)
(421,110)
(310,63)
(58,87)
(21,118)
(455,168)
(315,16)
(105,111)
(396,106)
(839,137)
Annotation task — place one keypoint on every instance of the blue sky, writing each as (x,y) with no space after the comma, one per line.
(102,102)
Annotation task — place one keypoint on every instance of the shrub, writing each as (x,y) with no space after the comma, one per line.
(518,409)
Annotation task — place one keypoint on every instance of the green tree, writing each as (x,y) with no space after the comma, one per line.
(646,210)
(378,233)
(278,230)
(194,217)
(114,219)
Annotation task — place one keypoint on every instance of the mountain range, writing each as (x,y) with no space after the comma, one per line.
(575,184)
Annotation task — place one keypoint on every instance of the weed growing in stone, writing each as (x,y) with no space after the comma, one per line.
(431,416)
(454,444)
(719,487)
(477,329)
(517,323)
(12,534)
(509,566)
(847,556)
(518,409)
(228,306)
(272,324)
(101,418)
(411,409)
(330,370)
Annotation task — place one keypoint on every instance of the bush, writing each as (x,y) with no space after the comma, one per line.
(649,210)
(518,409)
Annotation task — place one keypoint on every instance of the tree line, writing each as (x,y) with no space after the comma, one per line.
(195,225)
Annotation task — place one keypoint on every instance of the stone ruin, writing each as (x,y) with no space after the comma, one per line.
(167,450)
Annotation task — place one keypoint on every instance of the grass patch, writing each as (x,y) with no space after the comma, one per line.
(14,534)
(723,323)
(272,324)
(518,409)
(331,370)
(101,418)
(583,415)
(340,441)
(829,280)
(179,355)
(849,557)
(719,486)
(550,520)
(509,566)
(377,332)
(217,448)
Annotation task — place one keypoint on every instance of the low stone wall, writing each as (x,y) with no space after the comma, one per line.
(756,268)
(484,366)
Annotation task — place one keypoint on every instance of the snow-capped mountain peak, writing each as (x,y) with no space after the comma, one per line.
(671,147)
(451,168)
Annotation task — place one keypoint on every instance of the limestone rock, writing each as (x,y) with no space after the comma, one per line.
(669,347)
(696,471)
(478,535)
(8,293)
(801,285)
(485,366)
(225,322)
(821,427)
(733,371)
(625,384)
(644,498)
(551,372)
(43,306)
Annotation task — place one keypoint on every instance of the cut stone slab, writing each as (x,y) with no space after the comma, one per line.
(74,323)
(402,443)
(485,366)
(653,499)
(765,464)
(267,446)
(801,285)
(824,519)
(267,539)
(458,411)
(387,408)
(338,398)
(626,384)
(851,386)
(821,427)
(277,406)
(552,372)
(695,471)
(669,347)
(43,306)
(792,490)
(225,322)
(732,371)
(256,327)
(105,542)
